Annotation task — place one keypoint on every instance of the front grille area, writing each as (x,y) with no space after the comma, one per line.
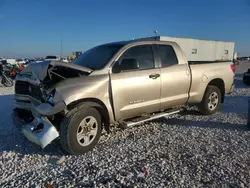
(25,88)
(22,88)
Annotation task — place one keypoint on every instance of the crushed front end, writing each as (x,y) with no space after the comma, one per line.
(33,115)
(37,105)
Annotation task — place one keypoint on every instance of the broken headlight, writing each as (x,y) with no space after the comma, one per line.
(50,98)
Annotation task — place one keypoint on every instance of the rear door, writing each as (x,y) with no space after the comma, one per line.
(175,77)
(136,92)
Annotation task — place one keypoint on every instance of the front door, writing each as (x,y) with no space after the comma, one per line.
(136,91)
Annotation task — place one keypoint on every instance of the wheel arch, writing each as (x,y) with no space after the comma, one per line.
(219,83)
(96,103)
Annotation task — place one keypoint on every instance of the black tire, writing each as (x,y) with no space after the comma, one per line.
(70,125)
(203,107)
(246,83)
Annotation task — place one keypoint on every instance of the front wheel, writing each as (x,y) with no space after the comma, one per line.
(80,130)
(211,101)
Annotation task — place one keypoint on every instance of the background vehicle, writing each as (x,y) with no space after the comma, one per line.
(124,83)
(20,61)
(51,58)
(5,75)
(64,60)
(74,56)
(11,61)
(246,77)
(14,70)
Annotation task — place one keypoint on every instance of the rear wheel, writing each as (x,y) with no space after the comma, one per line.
(211,101)
(80,130)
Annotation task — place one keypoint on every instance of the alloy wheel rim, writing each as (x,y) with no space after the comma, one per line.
(87,131)
(213,101)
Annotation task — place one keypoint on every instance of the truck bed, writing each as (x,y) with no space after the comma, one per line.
(201,72)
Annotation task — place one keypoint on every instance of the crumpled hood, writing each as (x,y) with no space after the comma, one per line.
(40,70)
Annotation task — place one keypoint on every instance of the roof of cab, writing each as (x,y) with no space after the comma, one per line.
(125,42)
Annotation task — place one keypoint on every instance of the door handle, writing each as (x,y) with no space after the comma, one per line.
(154,76)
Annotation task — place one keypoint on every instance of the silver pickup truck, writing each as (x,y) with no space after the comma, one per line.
(122,83)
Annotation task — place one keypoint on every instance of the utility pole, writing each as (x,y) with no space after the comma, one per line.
(61,47)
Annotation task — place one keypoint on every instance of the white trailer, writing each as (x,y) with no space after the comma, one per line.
(201,50)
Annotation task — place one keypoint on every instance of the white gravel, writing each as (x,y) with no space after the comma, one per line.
(181,151)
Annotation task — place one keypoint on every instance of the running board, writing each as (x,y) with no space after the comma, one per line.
(131,123)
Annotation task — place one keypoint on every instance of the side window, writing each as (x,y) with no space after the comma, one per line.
(167,55)
(142,53)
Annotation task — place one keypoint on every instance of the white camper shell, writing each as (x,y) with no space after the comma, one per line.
(201,50)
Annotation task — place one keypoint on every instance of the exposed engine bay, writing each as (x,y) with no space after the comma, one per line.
(39,80)
(45,75)
(44,70)
(59,73)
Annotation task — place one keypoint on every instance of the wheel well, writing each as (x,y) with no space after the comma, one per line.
(220,84)
(96,103)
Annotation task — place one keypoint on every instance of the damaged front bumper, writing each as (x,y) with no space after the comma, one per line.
(39,130)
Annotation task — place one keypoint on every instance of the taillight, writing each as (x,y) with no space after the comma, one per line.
(233,68)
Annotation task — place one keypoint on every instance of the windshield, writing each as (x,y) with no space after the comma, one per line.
(96,58)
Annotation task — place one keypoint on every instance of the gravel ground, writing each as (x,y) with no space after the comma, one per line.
(182,151)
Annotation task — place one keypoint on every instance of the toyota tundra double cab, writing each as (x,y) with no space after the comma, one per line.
(121,83)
